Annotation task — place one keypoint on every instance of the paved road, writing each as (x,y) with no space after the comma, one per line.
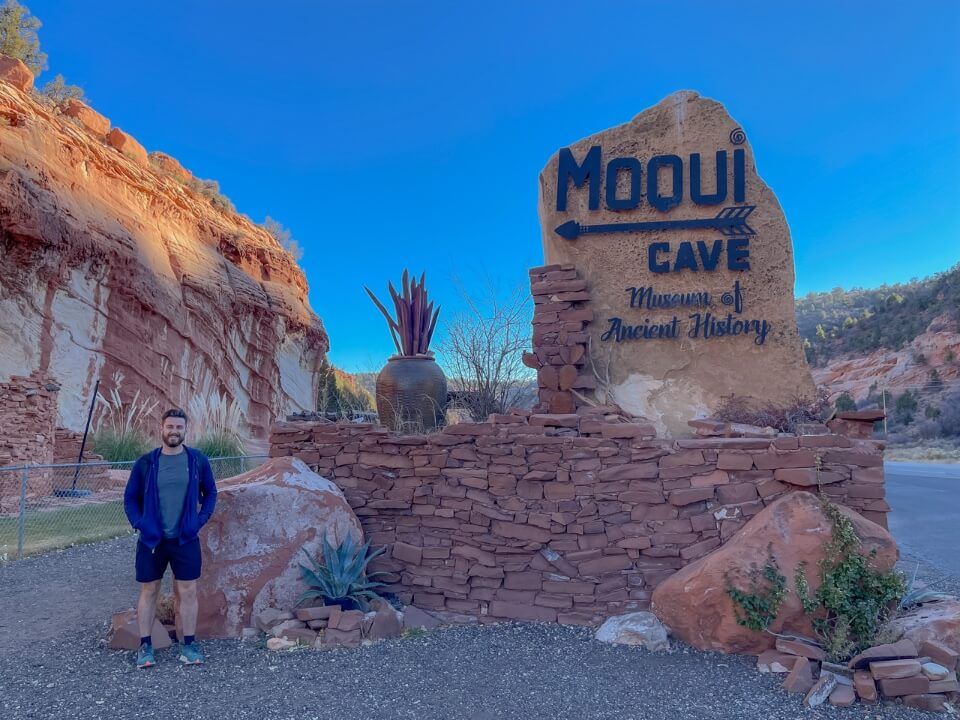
(925,516)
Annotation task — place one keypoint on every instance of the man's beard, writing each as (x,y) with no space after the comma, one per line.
(172,440)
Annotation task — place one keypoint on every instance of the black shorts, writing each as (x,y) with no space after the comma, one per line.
(184,560)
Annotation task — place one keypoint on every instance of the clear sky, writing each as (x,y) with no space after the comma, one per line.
(410,134)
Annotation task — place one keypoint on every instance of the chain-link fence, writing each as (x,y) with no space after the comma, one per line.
(45,507)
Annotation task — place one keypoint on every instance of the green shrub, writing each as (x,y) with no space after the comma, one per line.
(845,402)
(284,237)
(210,189)
(905,407)
(851,606)
(58,91)
(121,447)
(219,445)
(950,413)
(885,317)
(339,394)
(854,600)
(18,36)
(758,606)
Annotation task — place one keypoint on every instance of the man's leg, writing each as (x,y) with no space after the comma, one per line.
(146,614)
(186,565)
(151,565)
(190,652)
(188,606)
(147,607)
(177,614)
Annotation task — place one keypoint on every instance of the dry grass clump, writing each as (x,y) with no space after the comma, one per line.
(785,418)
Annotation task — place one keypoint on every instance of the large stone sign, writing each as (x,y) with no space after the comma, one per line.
(688,262)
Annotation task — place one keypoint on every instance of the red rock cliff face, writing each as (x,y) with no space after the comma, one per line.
(109,264)
(898,370)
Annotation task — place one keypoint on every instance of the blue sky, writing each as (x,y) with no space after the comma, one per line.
(410,134)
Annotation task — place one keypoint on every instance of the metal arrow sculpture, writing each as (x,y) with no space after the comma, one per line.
(731,222)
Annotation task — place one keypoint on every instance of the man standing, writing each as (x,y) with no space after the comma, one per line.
(165,487)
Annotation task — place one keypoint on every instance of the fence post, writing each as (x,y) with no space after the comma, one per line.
(21,527)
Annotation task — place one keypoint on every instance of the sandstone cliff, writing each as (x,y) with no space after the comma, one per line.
(113,267)
(910,368)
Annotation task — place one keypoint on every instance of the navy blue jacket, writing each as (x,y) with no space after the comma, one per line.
(141,499)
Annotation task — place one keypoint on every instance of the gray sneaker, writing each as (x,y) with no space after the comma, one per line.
(191,654)
(145,657)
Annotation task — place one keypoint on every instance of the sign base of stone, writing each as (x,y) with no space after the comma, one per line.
(568,518)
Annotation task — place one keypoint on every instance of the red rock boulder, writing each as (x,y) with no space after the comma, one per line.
(170,165)
(252,544)
(694,604)
(14,72)
(936,622)
(88,117)
(126,144)
(125,632)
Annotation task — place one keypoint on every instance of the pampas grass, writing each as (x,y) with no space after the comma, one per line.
(119,433)
(216,423)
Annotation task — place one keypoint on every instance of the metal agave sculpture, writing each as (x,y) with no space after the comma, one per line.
(413,327)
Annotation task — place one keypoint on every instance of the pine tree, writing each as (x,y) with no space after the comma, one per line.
(332,394)
(18,36)
(845,402)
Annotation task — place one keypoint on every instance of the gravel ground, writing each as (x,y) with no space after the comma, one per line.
(54,611)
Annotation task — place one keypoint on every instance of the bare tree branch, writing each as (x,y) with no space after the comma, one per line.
(483,352)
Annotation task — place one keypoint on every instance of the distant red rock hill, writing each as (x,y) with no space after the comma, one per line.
(903,339)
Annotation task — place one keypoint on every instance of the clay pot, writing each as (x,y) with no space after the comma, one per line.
(411,393)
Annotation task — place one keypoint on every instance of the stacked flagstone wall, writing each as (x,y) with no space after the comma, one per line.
(28,416)
(560,339)
(567,517)
(574,512)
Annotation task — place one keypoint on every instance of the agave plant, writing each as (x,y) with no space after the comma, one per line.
(415,321)
(343,574)
(917,595)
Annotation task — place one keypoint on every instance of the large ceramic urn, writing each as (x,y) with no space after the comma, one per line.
(411,393)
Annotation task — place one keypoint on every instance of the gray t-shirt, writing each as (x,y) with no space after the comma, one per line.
(172,478)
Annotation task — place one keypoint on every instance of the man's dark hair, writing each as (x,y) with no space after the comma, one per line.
(174,413)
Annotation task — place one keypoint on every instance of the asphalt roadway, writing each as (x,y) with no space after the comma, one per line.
(925,515)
